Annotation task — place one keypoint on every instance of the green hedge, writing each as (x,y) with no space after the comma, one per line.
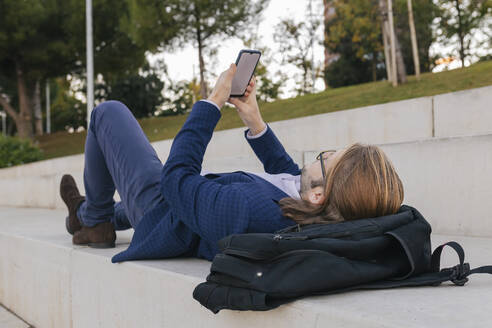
(14,151)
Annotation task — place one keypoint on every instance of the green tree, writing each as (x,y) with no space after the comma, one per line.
(355,33)
(24,27)
(425,13)
(294,40)
(180,98)
(66,110)
(348,69)
(204,23)
(8,97)
(14,151)
(267,89)
(140,91)
(40,40)
(461,19)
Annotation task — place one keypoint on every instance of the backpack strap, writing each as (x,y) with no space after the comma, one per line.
(459,273)
(435,276)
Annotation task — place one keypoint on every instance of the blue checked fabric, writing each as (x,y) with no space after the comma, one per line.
(200,210)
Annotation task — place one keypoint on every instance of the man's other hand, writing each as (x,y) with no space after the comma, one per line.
(222,88)
(248,109)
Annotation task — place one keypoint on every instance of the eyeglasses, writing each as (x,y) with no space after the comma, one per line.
(320,158)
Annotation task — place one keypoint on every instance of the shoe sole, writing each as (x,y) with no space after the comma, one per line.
(101,245)
(68,179)
(67,225)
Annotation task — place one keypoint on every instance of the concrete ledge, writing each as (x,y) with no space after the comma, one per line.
(463,113)
(50,283)
(9,320)
(38,191)
(447,179)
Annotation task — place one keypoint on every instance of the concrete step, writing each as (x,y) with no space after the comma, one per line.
(447,179)
(10,320)
(51,283)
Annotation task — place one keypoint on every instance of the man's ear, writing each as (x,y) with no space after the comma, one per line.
(316,195)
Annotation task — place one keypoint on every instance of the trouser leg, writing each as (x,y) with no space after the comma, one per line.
(118,156)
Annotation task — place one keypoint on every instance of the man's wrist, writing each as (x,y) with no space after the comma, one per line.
(249,135)
(211,102)
(257,128)
(216,101)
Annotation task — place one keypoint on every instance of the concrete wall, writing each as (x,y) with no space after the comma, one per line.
(448,180)
(465,112)
(35,271)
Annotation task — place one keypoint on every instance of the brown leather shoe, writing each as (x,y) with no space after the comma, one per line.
(101,235)
(72,198)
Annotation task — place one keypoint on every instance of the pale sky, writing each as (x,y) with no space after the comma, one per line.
(182,63)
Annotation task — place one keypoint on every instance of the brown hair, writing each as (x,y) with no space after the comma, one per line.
(361,183)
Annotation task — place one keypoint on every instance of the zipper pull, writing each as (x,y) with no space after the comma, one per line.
(280,237)
(296,237)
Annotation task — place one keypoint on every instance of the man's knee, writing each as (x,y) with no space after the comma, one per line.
(111,109)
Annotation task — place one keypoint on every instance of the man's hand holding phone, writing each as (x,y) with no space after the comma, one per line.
(232,86)
(248,109)
(222,88)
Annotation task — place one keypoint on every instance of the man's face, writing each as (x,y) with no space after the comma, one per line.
(312,182)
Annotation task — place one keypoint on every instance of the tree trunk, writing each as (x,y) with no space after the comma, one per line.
(8,108)
(460,33)
(413,36)
(305,77)
(383,11)
(394,79)
(305,72)
(10,127)
(17,118)
(203,84)
(329,14)
(374,67)
(38,114)
(387,52)
(400,64)
(24,123)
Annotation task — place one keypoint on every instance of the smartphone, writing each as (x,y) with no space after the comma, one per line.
(245,68)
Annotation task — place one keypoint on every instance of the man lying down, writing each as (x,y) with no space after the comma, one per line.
(176,211)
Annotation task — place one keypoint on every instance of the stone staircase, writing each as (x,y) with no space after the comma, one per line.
(50,283)
(440,146)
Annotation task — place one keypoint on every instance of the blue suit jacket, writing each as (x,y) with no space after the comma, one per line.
(200,210)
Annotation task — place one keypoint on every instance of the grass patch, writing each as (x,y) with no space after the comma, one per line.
(331,100)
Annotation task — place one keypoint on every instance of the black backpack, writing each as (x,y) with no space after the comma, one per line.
(260,271)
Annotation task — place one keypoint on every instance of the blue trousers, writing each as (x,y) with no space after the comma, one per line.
(118,156)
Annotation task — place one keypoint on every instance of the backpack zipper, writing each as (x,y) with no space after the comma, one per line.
(338,234)
(280,237)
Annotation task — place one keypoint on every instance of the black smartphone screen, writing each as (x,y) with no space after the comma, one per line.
(246,64)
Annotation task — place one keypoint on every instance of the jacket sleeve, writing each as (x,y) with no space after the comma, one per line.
(272,154)
(210,209)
